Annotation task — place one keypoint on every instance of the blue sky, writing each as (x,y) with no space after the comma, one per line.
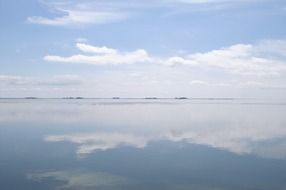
(165,48)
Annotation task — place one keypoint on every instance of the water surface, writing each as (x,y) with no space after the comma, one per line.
(198,144)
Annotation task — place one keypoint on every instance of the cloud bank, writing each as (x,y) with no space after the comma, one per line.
(263,58)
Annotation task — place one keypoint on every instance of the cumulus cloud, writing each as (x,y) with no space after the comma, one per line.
(241,59)
(174,61)
(101,56)
(237,59)
(264,58)
(93,49)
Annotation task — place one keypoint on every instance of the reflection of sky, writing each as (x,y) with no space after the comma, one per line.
(237,126)
(79,179)
(142,144)
(89,143)
(162,144)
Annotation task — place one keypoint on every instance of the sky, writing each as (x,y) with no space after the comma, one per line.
(143,48)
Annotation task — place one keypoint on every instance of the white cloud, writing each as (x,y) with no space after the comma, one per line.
(264,58)
(174,61)
(101,56)
(243,59)
(233,69)
(93,49)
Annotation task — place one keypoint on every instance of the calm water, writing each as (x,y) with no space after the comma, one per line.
(142,144)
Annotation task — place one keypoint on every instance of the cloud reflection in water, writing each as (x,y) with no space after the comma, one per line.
(89,143)
(76,179)
(267,147)
(240,126)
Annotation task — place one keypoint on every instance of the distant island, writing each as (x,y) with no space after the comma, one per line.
(31,97)
(130,98)
(151,98)
(73,98)
(181,98)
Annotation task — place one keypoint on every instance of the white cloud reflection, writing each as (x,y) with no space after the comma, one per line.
(76,179)
(264,142)
(88,143)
